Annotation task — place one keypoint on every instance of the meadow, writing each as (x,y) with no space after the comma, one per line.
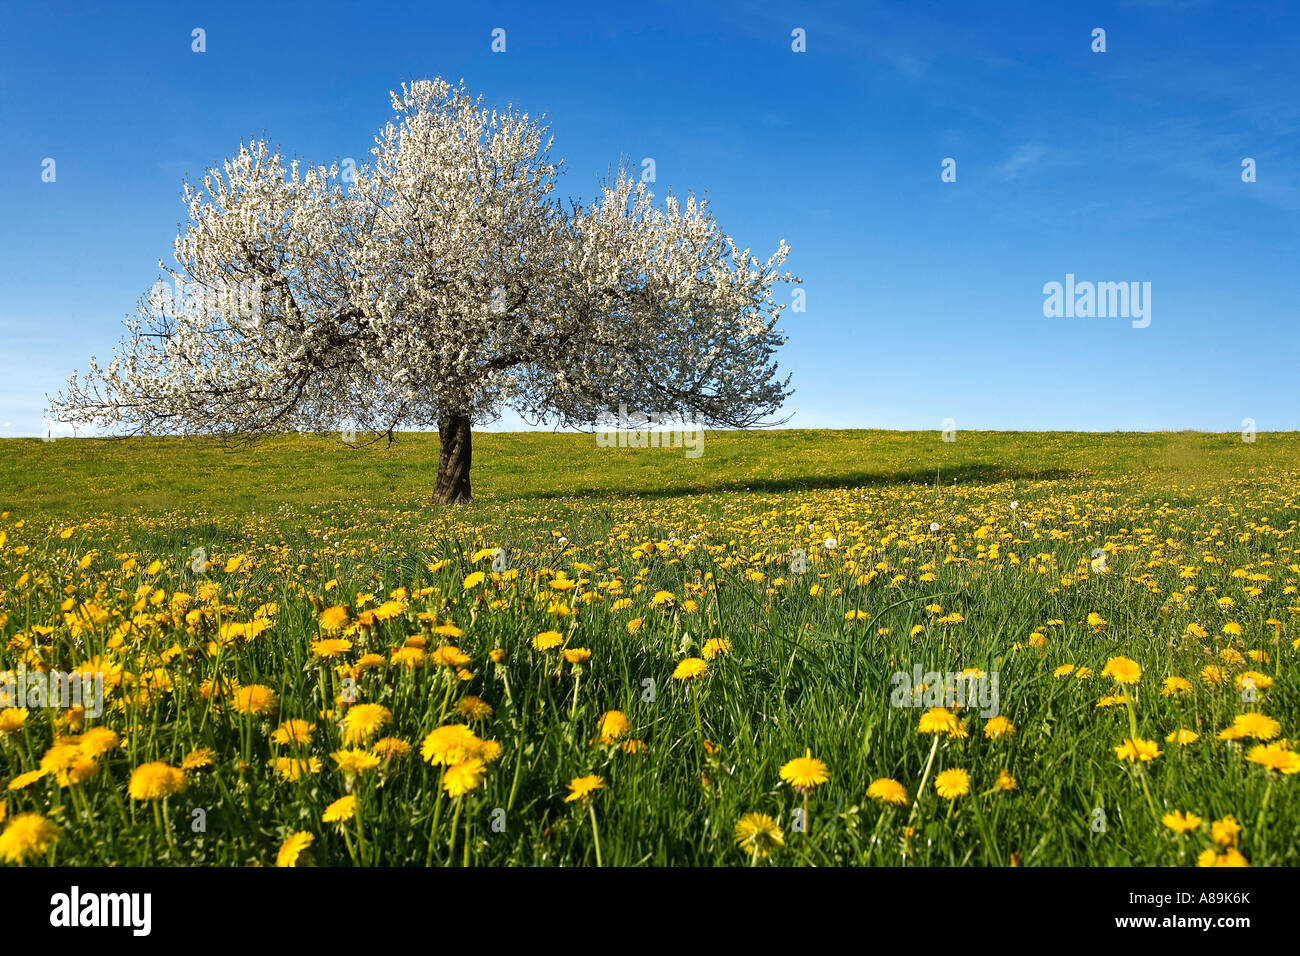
(629,657)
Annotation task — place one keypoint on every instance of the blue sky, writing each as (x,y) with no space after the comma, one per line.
(924,298)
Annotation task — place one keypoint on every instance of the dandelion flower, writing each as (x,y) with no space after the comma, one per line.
(757,834)
(292,768)
(887,791)
(580,787)
(24,780)
(255,699)
(952,784)
(293,731)
(939,720)
(98,741)
(1212,674)
(1253,680)
(690,668)
(198,759)
(344,808)
(1256,725)
(329,647)
(1181,822)
(463,777)
(1123,670)
(1135,751)
(474,708)
(12,719)
(355,761)
(412,658)
(448,656)
(613,725)
(450,744)
(998,727)
(155,781)
(364,721)
(26,836)
(390,748)
(292,849)
(804,773)
(1225,832)
(1275,757)
(714,647)
(333,619)
(547,640)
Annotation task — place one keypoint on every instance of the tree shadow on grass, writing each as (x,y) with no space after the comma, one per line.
(979,474)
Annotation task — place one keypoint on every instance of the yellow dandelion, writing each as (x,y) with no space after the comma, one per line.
(757,834)
(390,748)
(1256,725)
(448,656)
(804,773)
(198,759)
(1122,670)
(355,761)
(255,699)
(1181,822)
(951,784)
(547,641)
(613,725)
(1277,757)
(292,849)
(1225,832)
(26,836)
(363,721)
(473,708)
(887,791)
(155,781)
(463,777)
(690,668)
(580,787)
(998,727)
(334,619)
(1135,751)
(344,808)
(714,647)
(450,744)
(295,732)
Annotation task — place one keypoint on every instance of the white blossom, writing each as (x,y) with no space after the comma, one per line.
(444,280)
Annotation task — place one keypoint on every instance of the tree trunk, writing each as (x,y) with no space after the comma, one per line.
(452,485)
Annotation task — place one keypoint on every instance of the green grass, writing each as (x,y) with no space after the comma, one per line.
(317,523)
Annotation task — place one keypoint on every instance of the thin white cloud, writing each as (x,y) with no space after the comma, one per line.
(1025,157)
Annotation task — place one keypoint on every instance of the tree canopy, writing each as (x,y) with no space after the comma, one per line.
(436,284)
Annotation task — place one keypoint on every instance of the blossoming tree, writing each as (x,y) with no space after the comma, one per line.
(435,285)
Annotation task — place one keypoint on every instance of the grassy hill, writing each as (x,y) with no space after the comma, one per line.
(628,656)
